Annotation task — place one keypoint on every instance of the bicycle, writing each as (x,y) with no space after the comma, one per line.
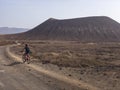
(26,58)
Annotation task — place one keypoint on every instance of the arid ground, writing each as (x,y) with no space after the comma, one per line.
(97,64)
(14,75)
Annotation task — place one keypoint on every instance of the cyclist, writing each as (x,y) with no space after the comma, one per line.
(26,55)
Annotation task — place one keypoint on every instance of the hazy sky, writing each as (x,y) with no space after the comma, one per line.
(30,13)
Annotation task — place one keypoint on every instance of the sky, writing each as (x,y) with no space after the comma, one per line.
(30,13)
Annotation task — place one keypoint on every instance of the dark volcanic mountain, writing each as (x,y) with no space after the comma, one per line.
(89,29)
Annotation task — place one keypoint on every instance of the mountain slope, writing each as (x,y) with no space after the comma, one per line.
(7,30)
(89,29)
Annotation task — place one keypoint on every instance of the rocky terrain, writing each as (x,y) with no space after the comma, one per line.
(97,64)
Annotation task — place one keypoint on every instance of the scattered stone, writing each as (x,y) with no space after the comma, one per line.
(45,61)
(49,81)
(60,68)
(104,74)
(80,78)
(70,75)
(29,69)
(118,76)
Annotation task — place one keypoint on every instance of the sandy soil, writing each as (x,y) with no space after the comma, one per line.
(17,76)
(105,77)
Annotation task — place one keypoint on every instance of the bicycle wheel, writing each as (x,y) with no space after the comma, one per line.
(23,59)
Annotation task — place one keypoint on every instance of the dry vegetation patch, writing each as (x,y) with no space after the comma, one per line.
(72,54)
(94,63)
(6,42)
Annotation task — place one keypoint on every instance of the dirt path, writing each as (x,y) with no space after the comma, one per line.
(75,83)
(17,76)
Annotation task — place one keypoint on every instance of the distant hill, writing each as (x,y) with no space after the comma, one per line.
(88,29)
(8,30)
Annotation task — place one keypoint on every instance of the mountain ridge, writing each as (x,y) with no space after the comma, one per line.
(86,29)
(12,30)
